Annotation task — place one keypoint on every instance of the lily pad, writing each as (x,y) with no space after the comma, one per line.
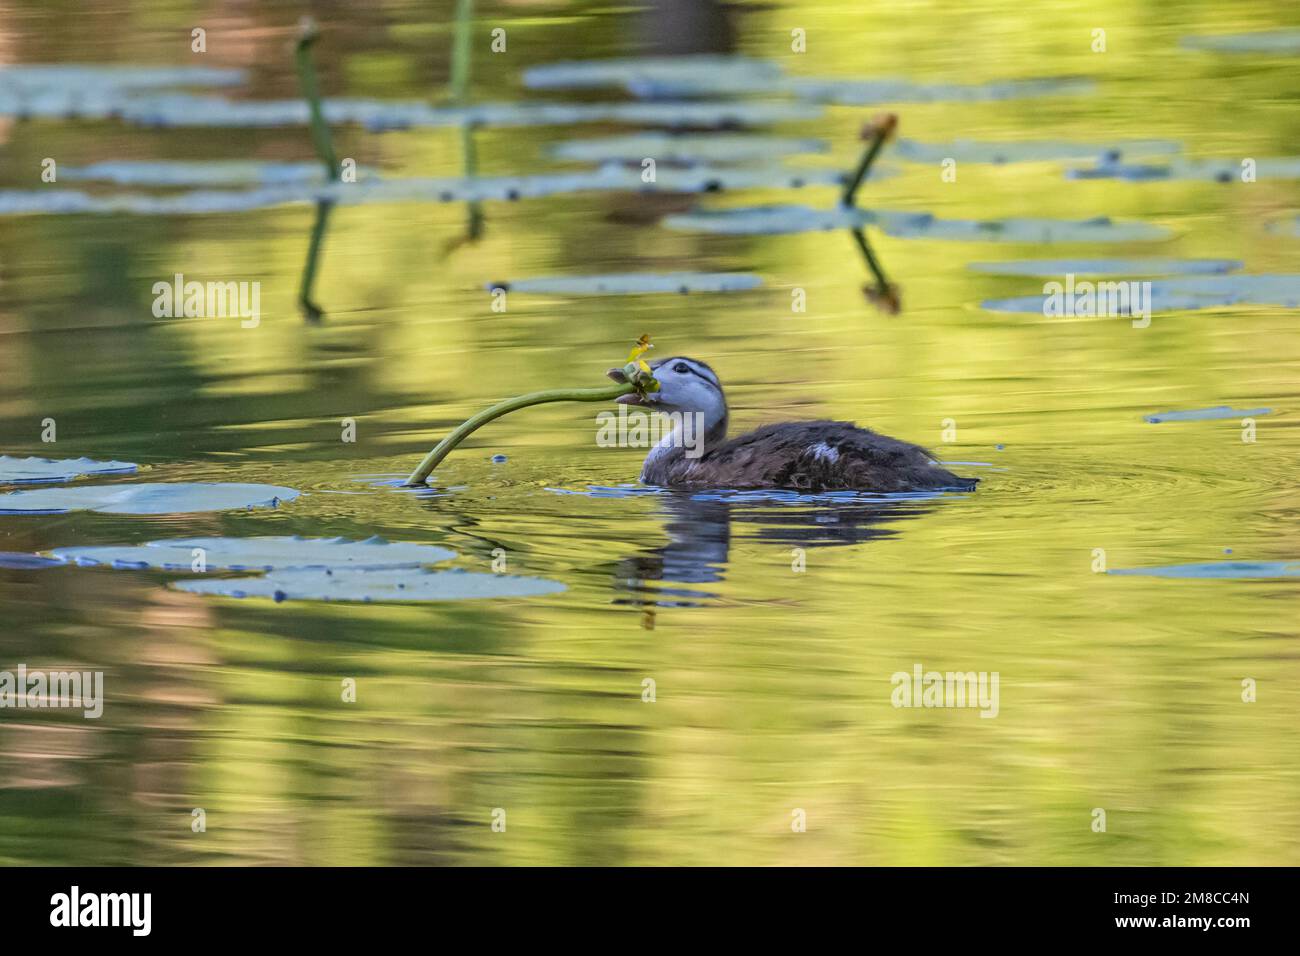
(258,554)
(150,498)
(772,220)
(1206,414)
(388,585)
(709,75)
(39,78)
(23,471)
(1263,41)
(1099,229)
(1106,267)
(1189,293)
(612,178)
(635,283)
(185,110)
(657,76)
(875,92)
(969,151)
(218,173)
(1228,570)
(1206,170)
(26,562)
(684,149)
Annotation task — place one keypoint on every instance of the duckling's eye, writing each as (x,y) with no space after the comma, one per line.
(681,368)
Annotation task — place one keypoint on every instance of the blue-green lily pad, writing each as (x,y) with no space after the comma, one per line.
(150,498)
(386,585)
(968,151)
(1189,293)
(185,173)
(184,110)
(258,554)
(709,75)
(684,149)
(657,76)
(1206,414)
(770,220)
(21,561)
(91,80)
(1227,570)
(1107,267)
(1263,41)
(23,471)
(1206,170)
(773,220)
(635,283)
(875,92)
(611,178)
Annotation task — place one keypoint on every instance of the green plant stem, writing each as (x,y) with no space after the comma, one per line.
(306,304)
(320,131)
(462,59)
(864,165)
(444,447)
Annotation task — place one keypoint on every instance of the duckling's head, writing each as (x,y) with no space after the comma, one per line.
(685,385)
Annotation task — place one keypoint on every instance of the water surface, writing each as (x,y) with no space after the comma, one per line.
(772,685)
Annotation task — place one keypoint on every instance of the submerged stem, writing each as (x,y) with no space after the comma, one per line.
(444,447)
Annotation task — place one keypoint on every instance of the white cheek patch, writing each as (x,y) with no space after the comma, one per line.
(824,452)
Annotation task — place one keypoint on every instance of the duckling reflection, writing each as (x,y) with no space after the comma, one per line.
(700,529)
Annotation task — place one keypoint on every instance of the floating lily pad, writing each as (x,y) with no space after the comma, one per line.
(183,110)
(388,585)
(222,173)
(684,149)
(151,498)
(968,151)
(875,92)
(26,562)
(1100,229)
(633,283)
(1227,570)
(1107,267)
(771,220)
(1207,170)
(1264,41)
(22,471)
(258,554)
(75,80)
(612,178)
(1206,414)
(1194,292)
(651,76)
(708,75)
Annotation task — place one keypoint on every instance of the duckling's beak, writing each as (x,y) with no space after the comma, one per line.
(631,398)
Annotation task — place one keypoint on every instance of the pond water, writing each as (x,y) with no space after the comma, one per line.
(770,625)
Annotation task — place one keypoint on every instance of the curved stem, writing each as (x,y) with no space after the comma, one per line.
(444,447)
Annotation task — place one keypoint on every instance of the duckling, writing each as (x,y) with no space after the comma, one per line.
(804,456)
